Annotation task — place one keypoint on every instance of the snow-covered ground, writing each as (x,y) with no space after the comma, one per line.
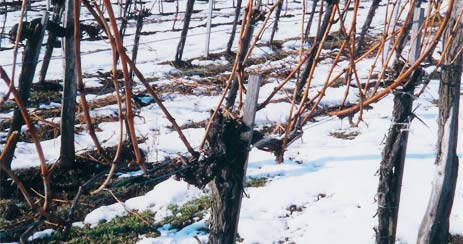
(330,182)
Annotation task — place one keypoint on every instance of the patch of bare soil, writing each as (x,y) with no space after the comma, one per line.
(455,239)
(89,173)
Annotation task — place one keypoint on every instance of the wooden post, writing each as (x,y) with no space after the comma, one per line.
(258,5)
(57,12)
(2,30)
(67,150)
(209,23)
(30,60)
(235,24)
(434,228)
(366,25)
(244,43)
(395,148)
(136,41)
(325,27)
(161,7)
(390,30)
(309,23)
(416,36)
(176,15)
(183,35)
(275,24)
(227,187)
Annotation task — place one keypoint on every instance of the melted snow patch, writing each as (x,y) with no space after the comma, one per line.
(41,234)
(157,200)
(188,235)
(221,61)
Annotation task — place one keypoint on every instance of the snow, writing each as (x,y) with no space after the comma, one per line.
(41,234)
(188,235)
(334,183)
(156,200)
(130,174)
(221,61)
(78,224)
(331,180)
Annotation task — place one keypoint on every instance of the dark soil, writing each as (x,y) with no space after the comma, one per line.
(15,216)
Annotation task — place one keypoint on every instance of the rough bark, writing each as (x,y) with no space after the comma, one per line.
(183,35)
(315,46)
(123,16)
(245,43)
(435,225)
(56,18)
(176,15)
(392,163)
(30,60)
(124,21)
(67,149)
(227,186)
(225,189)
(395,148)
(275,24)
(366,25)
(136,40)
(2,30)
(309,23)
(235,24)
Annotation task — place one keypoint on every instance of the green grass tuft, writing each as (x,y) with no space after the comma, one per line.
(256,182)
(187,214)
(125,229)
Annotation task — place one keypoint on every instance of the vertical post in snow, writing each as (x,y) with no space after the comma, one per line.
(235,23)
(161,7)
(227,187)
(67,150)
(209,23)
(30,59)
(390,30)
(395,148)
(415,50)
(250,103)
(434,227)
(136,41)
(249,116)
(275,24)
(2,30)
(52,37)
(258,5)
(183,35)
(366,25)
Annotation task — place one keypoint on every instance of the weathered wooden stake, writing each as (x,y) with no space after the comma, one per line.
(434,228)
(136,41)
(30,60)
(395,148)
(244,45)
(2,30)
(183,35)
(67,150)
(308,64)
(209,23)
(275,24)
(235,24)
(227,187)
(309,23)
(57,13)
(366,25)
(390,30)
(416,35)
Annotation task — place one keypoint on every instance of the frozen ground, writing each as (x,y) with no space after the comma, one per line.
(332,183)
(325,190)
